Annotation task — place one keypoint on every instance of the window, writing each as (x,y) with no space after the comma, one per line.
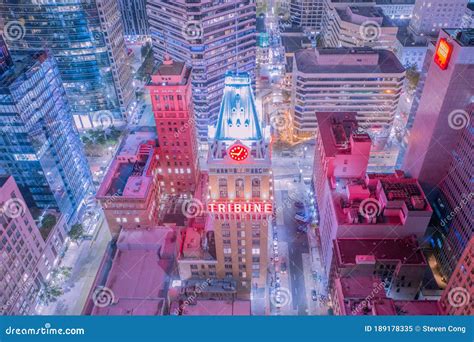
(227,250)
(256,251)
(255,188)
(223,188)
(239,188)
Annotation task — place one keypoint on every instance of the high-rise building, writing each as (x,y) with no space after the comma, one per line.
(442,110)
(134,17)
(129,193)
(172,105)
(240,201)
(86,38)
(458,298)
(30,251)
(429,17)
(397,9)
(354,204)
(39,144)
(307,14)
(356,26)
(362,80)
(210,36)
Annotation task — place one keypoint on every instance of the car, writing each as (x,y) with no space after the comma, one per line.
(275,243)
(283,267)
(276,258)
(314,295)
(302,228)
(301,218)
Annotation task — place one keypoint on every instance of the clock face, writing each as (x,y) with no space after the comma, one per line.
(238,152)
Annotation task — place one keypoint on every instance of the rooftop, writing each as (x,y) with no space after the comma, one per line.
(464,37)
(359,15)
(358,251)
(347,60)
(393,197)
(170,72)
(22,62)
(361,286)
(129,174)
(198,244)
(294,43)
(139,275)
(336,130)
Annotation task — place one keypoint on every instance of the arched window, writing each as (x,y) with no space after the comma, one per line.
(239,188)
(222,188)
(255,188)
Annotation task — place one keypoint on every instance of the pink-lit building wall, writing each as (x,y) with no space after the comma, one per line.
(28,256)
(458,297)
(346,194)
(171,98)
(130,192)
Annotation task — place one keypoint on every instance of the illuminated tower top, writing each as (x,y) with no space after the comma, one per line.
(238,117)
(238,123)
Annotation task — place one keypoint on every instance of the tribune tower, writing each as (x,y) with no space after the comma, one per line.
(240,201)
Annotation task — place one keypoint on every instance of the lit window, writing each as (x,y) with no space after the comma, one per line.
(256,251)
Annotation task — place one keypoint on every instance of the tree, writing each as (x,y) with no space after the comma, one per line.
(47,224)
(62,273)
(50,293)
(76,233)
(413,77)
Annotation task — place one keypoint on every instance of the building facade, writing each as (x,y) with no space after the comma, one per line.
(86,38)
(397,9)
(356,26)
(429,17)
(172,105)
(307,14)
(442,111)
(362,80)
(457,298)
(210,36)
(134,17)
(130,193)
(29,252)
(240,202)
(40,145)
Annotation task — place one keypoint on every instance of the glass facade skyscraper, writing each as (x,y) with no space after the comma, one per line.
(39,145)
(212,37)
(86,39)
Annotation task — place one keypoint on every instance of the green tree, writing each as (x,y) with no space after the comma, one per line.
(413,77)
(50,293)
(76,233)
(47,224)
